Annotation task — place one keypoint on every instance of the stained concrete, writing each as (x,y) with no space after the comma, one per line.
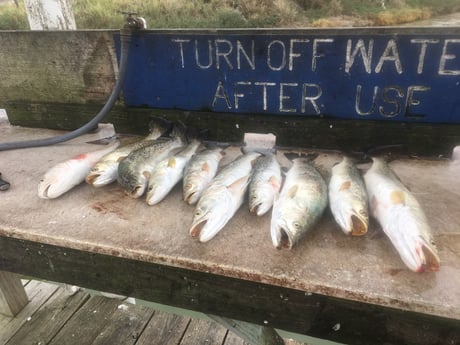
(326,261)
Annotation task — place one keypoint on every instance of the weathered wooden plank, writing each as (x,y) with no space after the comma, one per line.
(125,325)
(50,318)
(291,131)
(203,332)
(38,293)
(12,294)
(44,66)
(87,323)
(164,329)
(361,323)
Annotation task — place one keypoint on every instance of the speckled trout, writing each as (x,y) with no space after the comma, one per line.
(300,205)
(199,172)
(66,175)
(401,218)
(265,184)
(106,169)
(348,198)
(168,173)
(134,171)
(222,198)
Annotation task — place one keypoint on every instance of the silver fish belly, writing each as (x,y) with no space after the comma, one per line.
(301,203)
(348,198)
(265,184)
(199,172)
(168,173)
(222,198)
(401,218)
(134,171)
(66,175)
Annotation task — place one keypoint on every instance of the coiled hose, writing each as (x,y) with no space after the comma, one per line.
(125,38)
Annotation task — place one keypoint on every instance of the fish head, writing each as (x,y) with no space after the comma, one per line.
(286,227)
(134,184)
(261,199)
(156,192)
(50,187)
(101,175)
(352,219)
(420,254)
(210,217)
(191,193)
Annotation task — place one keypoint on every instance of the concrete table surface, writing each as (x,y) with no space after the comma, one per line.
(365,269)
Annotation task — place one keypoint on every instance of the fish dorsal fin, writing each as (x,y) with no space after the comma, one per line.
(205,167)
(398,197)
(172,162)
(292,191)
(146,174)
(274,182)
(346,185)
(120,159)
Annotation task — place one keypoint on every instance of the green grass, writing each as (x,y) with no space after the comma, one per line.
(105,14)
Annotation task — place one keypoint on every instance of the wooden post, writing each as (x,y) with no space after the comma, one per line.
(12,294)
(50,15)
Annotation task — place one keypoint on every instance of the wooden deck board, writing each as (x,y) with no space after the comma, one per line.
(55,316)
(50,318)
(38,293)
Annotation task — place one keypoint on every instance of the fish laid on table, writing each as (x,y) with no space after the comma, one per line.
(222,198)
(168,173)
(66,175)
(265,184)
(134,171)
(401,218)
(199,172)
(348,198)
(300,205)
(106,170)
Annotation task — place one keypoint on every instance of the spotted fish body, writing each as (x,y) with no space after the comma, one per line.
(401,218)
(66,175)
(168,173)
(348,198)
(301,203)
(134,171)
(222,198)
(199,172)
(106,169)
(265,184)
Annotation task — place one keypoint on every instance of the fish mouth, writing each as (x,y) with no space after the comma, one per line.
(196,228)
(280,237)
(429,257)
(260,208)
(190,198)
(358,225)
(91,178)
(137,191)
(43,192)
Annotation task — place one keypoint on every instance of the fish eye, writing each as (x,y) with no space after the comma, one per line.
(197,212)
(296,225)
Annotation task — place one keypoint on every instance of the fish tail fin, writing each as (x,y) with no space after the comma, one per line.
(159,126)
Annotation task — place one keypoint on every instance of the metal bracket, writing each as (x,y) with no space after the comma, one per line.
(134,22)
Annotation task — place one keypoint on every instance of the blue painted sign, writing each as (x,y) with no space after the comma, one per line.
(398,74)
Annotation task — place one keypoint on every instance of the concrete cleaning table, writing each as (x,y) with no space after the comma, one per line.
(354,290)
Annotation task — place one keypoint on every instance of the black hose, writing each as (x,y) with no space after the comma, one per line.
(125,38)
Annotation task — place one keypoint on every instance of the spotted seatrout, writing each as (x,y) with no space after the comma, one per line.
(301,203)
(348,198)
(106,170)
(222,198)
(401,218)
(199,172)
(265,184)
(66,175)
(168,173)
(134,171)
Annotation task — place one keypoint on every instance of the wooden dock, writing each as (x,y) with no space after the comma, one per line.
(57,315)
